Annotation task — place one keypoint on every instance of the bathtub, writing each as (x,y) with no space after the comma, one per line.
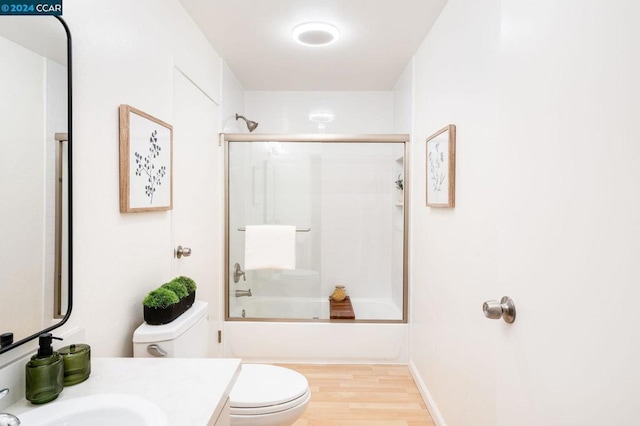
(314,342)
(311,308)
(280,307)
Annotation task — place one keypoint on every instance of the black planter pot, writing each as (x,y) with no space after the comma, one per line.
(159,316)
(188,300)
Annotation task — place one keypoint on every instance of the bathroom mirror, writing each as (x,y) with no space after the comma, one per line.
(35,178)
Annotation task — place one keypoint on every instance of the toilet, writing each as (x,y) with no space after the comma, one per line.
(268,395)
(263,395)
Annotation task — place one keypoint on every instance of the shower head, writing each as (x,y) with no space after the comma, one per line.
(251,125)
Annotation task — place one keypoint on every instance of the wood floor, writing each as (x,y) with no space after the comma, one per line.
(363,395)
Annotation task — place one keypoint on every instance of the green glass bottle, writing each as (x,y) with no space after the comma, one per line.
(44,372)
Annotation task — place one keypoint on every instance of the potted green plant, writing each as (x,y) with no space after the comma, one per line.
(399,182)
(191,286)
(399,188)
(181,291)
(161,306)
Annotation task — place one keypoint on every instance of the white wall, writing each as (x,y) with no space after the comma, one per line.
(288,112)
(232,102)
(403,101)
(544,97)
(124,53)
(22,117)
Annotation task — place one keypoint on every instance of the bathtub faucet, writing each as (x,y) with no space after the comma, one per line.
(243,293)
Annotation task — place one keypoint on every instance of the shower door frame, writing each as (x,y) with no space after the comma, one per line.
(403,138)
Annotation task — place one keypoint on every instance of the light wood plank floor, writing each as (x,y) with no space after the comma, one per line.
(362,395)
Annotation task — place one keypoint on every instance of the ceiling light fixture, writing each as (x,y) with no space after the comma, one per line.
(315,34)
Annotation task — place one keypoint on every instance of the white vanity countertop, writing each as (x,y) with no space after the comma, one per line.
(192,391)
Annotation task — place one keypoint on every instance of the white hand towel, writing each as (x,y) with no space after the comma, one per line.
(270,247)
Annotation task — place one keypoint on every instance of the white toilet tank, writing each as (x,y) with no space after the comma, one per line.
(185,337)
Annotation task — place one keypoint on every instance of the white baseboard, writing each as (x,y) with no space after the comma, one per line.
(426,395)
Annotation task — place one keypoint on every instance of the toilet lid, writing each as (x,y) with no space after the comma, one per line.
(260,385)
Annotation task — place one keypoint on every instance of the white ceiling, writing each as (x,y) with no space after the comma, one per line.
(44,36)
(378,38)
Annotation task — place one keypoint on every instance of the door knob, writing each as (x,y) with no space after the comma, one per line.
(183,251)
(504,309)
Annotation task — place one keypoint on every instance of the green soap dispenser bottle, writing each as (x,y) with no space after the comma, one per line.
(44,372)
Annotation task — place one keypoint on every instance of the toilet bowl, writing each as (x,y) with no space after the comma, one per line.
(263,395)
(268,395)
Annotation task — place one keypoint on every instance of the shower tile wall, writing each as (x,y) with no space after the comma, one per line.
(354,112)
(342,192)
(357,185)
(342,251)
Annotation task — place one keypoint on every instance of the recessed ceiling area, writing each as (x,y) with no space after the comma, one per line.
(254,37)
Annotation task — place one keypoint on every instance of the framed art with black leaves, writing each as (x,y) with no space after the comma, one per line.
(441,168)
(146,158)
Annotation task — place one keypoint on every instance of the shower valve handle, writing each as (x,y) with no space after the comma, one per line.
(237,273)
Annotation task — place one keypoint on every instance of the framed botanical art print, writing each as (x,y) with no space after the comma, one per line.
(146,159)
(441,168)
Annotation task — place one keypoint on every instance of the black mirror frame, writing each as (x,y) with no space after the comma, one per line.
(69,203)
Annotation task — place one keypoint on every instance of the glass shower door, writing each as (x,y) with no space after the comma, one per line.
(273,183)
(346,201)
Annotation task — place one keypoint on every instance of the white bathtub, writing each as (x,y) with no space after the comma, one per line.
(314,342)
(280,307)
(310,308)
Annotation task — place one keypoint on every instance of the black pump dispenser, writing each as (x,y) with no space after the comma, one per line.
(45,348)
(44,372)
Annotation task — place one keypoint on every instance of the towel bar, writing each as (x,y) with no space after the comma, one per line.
(242,229)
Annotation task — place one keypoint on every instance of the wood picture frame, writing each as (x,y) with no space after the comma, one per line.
(146,162)
(441,168)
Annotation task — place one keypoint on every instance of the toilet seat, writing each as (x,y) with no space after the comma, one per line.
(266,389)
(261,411)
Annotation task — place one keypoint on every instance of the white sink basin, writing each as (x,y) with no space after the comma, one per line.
(97,410)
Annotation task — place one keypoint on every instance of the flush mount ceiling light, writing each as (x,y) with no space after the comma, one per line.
(315,34)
